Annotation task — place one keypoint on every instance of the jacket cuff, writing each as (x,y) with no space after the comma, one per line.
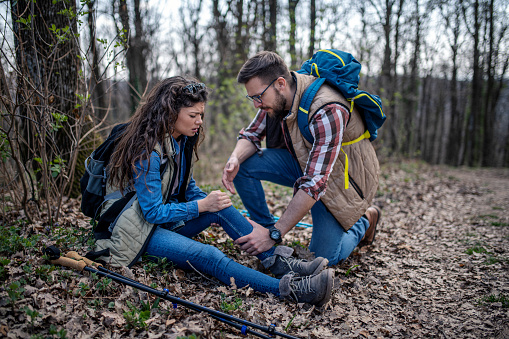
(192,209)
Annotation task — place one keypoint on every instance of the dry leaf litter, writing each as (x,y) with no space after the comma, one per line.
(438,268)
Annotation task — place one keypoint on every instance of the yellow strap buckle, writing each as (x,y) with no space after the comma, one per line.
(346,170)
(366,135)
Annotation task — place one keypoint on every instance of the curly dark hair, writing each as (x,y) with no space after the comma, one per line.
(154,119)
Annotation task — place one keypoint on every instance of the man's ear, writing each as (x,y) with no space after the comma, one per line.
(281,83)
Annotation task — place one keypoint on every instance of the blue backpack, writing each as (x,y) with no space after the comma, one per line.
(340,70)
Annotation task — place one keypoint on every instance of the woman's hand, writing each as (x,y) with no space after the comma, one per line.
(215,201)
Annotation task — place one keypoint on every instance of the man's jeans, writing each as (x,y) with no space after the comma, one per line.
(177,246)
(329,239)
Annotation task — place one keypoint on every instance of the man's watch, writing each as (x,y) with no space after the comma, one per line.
(275,234)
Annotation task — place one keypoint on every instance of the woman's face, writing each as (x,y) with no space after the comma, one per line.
(189,120)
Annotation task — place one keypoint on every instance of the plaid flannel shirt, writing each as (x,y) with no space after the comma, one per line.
(327,127)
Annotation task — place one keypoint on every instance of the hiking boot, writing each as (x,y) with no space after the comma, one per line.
(282,263)
(314,289)
(373,214)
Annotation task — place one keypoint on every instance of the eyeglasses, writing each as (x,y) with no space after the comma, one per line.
(195,87)
(258,98)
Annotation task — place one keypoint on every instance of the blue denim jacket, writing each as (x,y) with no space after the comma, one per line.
(150,197)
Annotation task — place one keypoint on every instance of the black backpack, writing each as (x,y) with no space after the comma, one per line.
(93,187)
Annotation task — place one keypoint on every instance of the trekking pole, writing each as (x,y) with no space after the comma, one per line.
(75,261)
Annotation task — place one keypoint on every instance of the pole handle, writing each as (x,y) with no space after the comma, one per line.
(74,255)
(71,263)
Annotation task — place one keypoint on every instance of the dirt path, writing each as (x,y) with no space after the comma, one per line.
(418,280)
(439,268)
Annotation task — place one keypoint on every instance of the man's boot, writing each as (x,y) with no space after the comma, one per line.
(314,289)
(373,214)
(282,263)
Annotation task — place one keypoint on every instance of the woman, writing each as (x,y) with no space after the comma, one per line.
(154,157)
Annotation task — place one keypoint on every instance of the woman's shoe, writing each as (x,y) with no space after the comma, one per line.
(316,289)
(282,263)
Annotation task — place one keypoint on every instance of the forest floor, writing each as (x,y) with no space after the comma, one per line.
(439,267)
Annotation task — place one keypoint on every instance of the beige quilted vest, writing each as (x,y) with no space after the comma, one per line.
(132,232)
(346,204)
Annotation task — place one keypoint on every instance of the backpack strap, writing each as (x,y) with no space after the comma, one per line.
(304,105)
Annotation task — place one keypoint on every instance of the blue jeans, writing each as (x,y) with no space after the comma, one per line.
(178,247)
(329,239)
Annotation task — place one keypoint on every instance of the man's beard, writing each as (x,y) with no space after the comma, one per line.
(278,109)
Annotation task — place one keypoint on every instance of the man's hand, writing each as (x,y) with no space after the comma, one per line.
(230,171)
(257,241)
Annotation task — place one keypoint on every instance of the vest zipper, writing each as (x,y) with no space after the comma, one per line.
(356,187)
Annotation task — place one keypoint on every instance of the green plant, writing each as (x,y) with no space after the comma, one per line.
(230,303)
(289,323)
(44,271)
(492,298)
(65,274)
(476,249)
(95,303)
(491,260)
(228,247)
(33,314)
(3,272)
(498,223)
(348,271)
(83,289)
(297,243)
(154,265)
(11,241)
(486,216)
(206,237)
(135,318)
(192,336)
(71,235)
(62,333)
(104,285)
(15,291)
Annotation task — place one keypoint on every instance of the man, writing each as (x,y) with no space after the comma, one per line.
(339,199)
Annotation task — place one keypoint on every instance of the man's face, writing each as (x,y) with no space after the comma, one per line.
(272,100)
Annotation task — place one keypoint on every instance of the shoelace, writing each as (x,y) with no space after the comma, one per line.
(301,284)
(292,263)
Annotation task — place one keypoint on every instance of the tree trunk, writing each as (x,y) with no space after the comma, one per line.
(387,81)
(292,5)
(476,105)
(96,83)
(140,47)
(312,25)
(410,108)
(135,54)
(240,42)
(489,101)
(222,39)
(47,61)
(270,43)
(47,91)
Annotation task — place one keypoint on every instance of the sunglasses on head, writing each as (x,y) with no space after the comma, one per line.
(194,87)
